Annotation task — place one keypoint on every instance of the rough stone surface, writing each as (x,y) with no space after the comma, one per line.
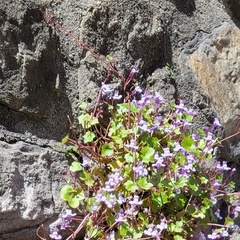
(45,75)
(216,63)
(30,183)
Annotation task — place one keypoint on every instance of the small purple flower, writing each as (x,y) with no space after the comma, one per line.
(214,236)
(106,90)
(224,233)
(202,236)
(162,225)
(132,144)
(180,108)
(137,89)
(145,100)
(140,170)
(177,191)
(135,201)
(86,163)
(110,201)
(216,184)
(166,153)
(191,112)
(120,216)
(68,214)
(215,124)
(54,234)
(132,72)
(232,171)
(111,235)
(67,218)
(224,166)
(217,213)
(158,99)
(236,209)
(158,161)
(121,199)
(116,95)
(143,126)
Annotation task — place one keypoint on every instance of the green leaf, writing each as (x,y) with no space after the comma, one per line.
(129,157)
(178,237)
(123,228)
(86,177)
(147,154)
(109,57)
(83,106)
(159,198)
(203,180)
(193,184)
(176,227)
(228,221)
(65,139)
(188,144)
(87,121)
(199,214)
(88,137)
(107,150)
(202,144)
(130,186)
(188,117)
(72,196)
(125,108)
(144,184)
(75,166)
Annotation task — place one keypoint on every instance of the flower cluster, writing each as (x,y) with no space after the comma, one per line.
(144,175)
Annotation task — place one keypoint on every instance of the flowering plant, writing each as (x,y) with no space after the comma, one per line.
(144,175)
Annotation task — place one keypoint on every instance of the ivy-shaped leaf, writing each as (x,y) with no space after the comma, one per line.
(88,137)
(75,166)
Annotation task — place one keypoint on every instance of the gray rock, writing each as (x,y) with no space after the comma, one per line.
(45,74)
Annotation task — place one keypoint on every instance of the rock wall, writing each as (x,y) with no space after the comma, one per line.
(45,75)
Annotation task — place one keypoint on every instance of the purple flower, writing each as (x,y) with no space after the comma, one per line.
(120,216)
(132,144)
(177,191)
(166,153)
(86,163)
(110,201)
(121,199)
(214,236)
(224,233)
(162,225)
(135,201)
(116,95)
(201,236)
(67,218)
(140,170)
(137,89)
(217,213)
(155,231)
(158,99)
(132,72)
(216,184)
(111,235)
(145,99)
(54,234)
(143,126)
(232,171)
(106,90)
(191,112)
(236,209)
(224,166)
(180,108)
(158,161)
(68,214)
(215,124)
